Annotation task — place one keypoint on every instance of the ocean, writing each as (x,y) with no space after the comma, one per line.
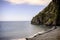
(19,29)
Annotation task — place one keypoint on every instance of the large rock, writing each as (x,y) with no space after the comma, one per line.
(49,16)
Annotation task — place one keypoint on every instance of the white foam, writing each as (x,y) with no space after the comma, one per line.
(36,34)
(19,39)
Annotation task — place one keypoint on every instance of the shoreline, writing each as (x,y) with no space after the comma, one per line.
(52,30)
(41,33)
(35,35)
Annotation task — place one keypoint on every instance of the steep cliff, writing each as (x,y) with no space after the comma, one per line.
(49,16)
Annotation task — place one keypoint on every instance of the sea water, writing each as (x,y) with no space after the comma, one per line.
(19,29)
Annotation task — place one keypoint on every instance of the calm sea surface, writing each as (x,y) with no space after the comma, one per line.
(19,29)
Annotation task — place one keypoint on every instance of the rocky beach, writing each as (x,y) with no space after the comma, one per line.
(54,34)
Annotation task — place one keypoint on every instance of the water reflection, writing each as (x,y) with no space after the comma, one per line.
(12,39)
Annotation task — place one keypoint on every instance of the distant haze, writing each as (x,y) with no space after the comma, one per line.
(21,10)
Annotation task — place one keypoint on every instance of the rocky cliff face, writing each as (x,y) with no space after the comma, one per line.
(49,16)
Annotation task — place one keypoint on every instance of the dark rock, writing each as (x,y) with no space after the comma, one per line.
(49,16)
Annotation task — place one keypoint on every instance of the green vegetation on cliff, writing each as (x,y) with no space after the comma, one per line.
(49,16)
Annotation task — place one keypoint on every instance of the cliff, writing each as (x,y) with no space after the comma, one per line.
(49,16)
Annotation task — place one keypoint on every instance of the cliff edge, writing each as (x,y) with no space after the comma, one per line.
(49,16)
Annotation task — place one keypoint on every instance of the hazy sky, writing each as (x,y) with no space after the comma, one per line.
(20,10)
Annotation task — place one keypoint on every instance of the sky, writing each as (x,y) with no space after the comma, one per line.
(21,10)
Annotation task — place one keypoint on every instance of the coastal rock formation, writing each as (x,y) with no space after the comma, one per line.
(49,16)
